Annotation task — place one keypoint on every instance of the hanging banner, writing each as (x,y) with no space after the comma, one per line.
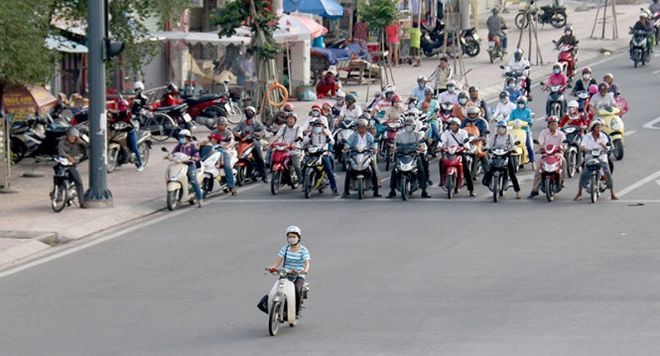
(24,101)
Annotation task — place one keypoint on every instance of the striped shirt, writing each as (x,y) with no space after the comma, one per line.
(294,260)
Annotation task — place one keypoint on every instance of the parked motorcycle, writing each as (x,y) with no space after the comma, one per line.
(119,151)
(179,189)
(314,177)
(551,183)
(282,169)
(613,126)
(406,170)
(430,47)
(35,137)
(554,15)
(572,156)
(344,130)
(64,190)
(638,50)
(166,121)
(452,166)
(597,182)
(282,301)
(211,156)
(360,169)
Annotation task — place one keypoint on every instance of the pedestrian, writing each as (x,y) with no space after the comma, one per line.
(415,43)
(392,31)
(441,75)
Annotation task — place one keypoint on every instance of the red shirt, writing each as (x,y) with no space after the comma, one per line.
(392,32)
(577,120)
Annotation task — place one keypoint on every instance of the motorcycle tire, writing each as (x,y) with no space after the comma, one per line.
(556,110)
(405,188)
(516,163)
(594,188)
(275,182)
(240,175)
(307,184)
(571,164)
(143,148)
(450,186)
(113,155)
(549,186)
(637,57)
(496,187)
(173,199)
(360,188)
(161,126)
(558,20)
(472,48)
(207,187)
(618,149)
(59,197)
(388,158)
(274,319)
(429,53)
(18,150)
(520,20)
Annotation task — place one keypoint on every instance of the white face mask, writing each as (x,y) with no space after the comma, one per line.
(586,76)
(501,130)
(318,130)
(421,85)
(462,100)
(521,106)
(293,240)
(450,89)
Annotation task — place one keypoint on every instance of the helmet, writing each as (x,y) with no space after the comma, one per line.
(221,120)
(396,98)
(569,28)
(340,94)
(317,121)
(603,86)
(504,95)
(473,110)
(518,53)
(594,123)
(586,70)
(451,82)
(251,108)
(522,99)
(171,88)
(389,89)
(138,86)
(593,89)
(326,104)
(288,107)
(608,75)
(573,104)
(473,88)
(409,122)
(350,98)
(425,105)
(316,106)
(501,123)
(552,118)
(421,79)
(495,10)
(293,229)
(361,122)
(510,79)
(556,65)
(73,132)
(185,133)
(292,114)
(428,91)
(454,120)
(462,95)
(643,15)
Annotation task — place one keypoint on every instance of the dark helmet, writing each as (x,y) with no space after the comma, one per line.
(569,28)
(350,98)
(292,114)
(518,53)
(603,86)
(462,95)
(288,107)
(171,89)
(504,95)
(428,91)
(473,89)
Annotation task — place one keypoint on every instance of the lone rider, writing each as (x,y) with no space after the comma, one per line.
(496,25)
(420,89)
(226,141)
(294,256)
(603,100)
(188,147)
(519,64)
(573,117)
(293,135)
(644,25)
(350,111)
(503,108)
(569,38)
(253,129)
(550,136)
(450,95)
(596,139)
(405,142)
(74,149)
(556,78)
(362,136)
(454,135)
(320,137)
(503,139)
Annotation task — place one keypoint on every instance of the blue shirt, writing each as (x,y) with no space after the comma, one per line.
(514,94)
(419,93)
(294,260)
(524,115)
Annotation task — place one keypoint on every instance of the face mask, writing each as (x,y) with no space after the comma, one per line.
(409,129)
(512,85)
(521,106)
(504,101)
(572,111)
(450,89)
(315,113)
(318,130)
(556,71)
(501,130)
(421,85)
(586,76)
(249,115)
(293,240)
(567,33)
(462,100)
(182,140)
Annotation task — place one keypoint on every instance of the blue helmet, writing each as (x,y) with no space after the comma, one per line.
(501,123)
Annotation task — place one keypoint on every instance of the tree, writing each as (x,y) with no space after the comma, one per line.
(378,13)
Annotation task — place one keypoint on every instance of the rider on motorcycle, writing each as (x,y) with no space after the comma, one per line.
(514,93)
(368,139)
(644,25)
(139,100)
(74,149)
(386,102)
(294,256)
(472,122)
(550,136)
(350,111)
(596,139)
(556,78)
(460,109)
(279,119)
(569,39)
(496,25)
(449,95)
(339,102)
(253,129)
(522,112)
(420,89)
(188,147)
(603,100)
(655,7)
(573,117)
(584,83)
(408,137)
(314,114)
(475,100)
(319,137)
(614,88)
(519,64)
(293,135)
(455,135)
(226,141)
(503,139)
(395,111)
(503,108)
(326,111)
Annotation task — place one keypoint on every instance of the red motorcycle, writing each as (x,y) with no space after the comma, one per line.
(246,165)
(452,169)
(565,57)
(393,127)
(444,115)
(551,171)
(282,169)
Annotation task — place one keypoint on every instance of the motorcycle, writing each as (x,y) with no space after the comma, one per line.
(282,169)
(495,50)
(551,183)
(638,52)
(406,170)
(118,151)
(35,137)
(655,21)
(64,190)
(387,143)
(614,127)
(565,57)
(519,156)
(282,300)
(342,133)
(167,120)
(246,165)
(472,155)
(555,101)
(499,183)
(179,189)
(597,182)
(469,40)
(314,177)
(554,15)
(211,156)
(572,156)
(452,164)
(361,171)
(582,97)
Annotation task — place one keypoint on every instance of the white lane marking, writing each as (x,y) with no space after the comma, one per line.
(656,71)
(639,183)
(628,133)
(651,124)
(658,181)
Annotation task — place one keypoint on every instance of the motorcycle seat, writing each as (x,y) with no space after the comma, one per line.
(202,98)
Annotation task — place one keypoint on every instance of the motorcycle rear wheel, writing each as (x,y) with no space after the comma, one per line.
(549,186)
(274,319)
(618,149)
(173,199)
(58,197)
(161,126)
(472,48)
(18,150)
(275,182)
(520,20)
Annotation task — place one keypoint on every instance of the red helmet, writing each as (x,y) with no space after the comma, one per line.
(326,104)
(552,118)
(288,107)
(396,98)
(316,106)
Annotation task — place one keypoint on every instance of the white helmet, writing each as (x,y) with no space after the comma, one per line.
(293,229)
(138,86)
(573,104)
(454,120)
(185,133)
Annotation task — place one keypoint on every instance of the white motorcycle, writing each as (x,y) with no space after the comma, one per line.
(176,178)
(282,300)
(211,171)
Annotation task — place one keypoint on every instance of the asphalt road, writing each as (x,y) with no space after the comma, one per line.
(423,277)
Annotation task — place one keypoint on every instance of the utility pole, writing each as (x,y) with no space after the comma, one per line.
(98,195)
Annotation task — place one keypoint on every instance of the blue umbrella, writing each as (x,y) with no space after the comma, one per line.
(325,8)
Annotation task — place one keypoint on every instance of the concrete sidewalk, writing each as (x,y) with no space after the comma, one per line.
(28,225)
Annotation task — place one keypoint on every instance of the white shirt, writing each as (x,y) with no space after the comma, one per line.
(504,110)
(319,140)
(361,140)
(447,139)
(290,134)
(446,96)
(348,114)
(589,143)
(518,66)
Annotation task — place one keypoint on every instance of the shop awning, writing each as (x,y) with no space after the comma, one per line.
(292,28)
(62,44)
(324,8)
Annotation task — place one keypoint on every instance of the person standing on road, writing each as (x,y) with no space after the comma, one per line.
(441,75)
(245,72)
(596,139)
(253,129)
(74,149)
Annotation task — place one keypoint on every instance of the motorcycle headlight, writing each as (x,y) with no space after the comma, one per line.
(615,125)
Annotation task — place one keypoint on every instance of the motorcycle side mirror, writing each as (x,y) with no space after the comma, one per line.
(542,83)
(502,67)
(565,141)
(516,143)
(163,149)
(487,132)
(467,140)
(536,141)
(527,67)
(554,41)
(608,144)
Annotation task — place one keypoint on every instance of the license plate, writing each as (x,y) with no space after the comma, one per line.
(476,37)
(187,118)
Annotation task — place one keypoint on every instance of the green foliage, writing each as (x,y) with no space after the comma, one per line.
(237,13)
(378,13)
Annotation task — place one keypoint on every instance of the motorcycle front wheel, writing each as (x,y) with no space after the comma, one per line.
(472,48)
(144,153)
(549,186)
(274,319)
(405,187)
(173,199)
(58,197)
(594,188)
(161,126)
(240,175)
(520,20)
(360,188)
(275,182)
(496,187)
(235,113)
(307,184)
(571,163)
(450,186)
(618,149)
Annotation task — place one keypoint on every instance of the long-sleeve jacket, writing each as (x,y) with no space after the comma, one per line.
(75,150)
